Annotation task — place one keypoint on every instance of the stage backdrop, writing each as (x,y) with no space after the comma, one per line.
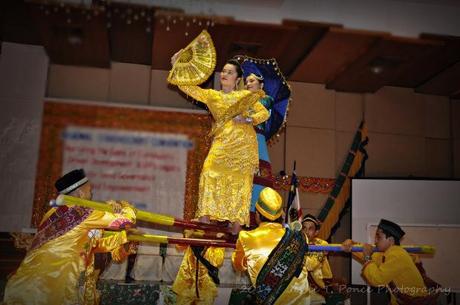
(147,156)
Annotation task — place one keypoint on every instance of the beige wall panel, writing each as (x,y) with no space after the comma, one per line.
(311,211)
(395,155)
(78,82)
(455,106)
(437,116)
(276,154)
(312,106)
(129,83)
(340,262)
(349,111)
(438,158)
(314,151)
(395,110)
(166,96)
(457,158)
(342,147)
(312,201)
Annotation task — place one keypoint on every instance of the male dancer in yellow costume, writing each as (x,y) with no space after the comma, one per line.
(317,263)
(255,248)
(63,248)
(394,268)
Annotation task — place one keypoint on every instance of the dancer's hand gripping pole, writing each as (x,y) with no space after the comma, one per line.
(140,214)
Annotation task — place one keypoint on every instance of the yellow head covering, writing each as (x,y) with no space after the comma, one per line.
(270,204)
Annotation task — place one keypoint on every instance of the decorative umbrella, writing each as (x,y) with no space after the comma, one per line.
(275,85)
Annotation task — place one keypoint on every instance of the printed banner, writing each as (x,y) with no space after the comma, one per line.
(144,168)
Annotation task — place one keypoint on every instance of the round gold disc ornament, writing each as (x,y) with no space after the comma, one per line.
(195,63)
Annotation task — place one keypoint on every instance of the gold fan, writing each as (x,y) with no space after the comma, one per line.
(195,63)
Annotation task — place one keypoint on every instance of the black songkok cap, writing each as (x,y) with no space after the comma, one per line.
(71,181)
(391,228)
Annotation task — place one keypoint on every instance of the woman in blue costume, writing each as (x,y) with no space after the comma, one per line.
(264,177)
(265,75)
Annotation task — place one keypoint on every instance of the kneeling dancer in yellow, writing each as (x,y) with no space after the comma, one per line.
(273,256)
(63,250)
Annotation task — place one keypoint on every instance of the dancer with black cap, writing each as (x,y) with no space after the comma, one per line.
(394,268)
(63,250)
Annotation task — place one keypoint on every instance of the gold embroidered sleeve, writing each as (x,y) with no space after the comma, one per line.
(246,101)
(259,114)
(196,93)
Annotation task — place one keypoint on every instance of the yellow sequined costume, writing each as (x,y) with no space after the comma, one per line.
(251,253)
(49,274)
(185,284)
(226,179)
(319,270)
(397,266)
